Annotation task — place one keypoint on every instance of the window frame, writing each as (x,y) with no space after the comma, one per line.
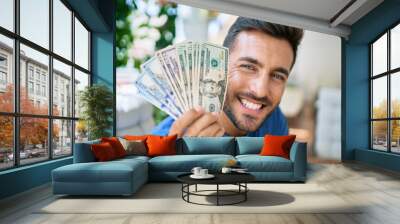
(388,74)
(16,115)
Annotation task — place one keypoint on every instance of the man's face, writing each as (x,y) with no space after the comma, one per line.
(259,66)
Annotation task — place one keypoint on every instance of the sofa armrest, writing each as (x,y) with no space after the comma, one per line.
(298,155)
(83,152)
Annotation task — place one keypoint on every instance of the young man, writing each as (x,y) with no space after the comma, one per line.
(261,55)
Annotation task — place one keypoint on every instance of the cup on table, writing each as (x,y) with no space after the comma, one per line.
(196,171)
(226,170)
(203,172)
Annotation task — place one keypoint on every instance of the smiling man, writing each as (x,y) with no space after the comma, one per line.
(260,59)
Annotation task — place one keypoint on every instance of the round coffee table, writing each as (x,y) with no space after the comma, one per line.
(238,179)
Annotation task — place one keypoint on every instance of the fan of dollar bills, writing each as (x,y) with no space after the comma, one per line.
(185,75)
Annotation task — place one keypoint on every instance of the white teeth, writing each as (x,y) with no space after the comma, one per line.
(250,105)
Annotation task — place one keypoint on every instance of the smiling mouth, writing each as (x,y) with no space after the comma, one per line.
(251,105)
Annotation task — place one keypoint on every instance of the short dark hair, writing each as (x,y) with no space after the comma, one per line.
(291,34)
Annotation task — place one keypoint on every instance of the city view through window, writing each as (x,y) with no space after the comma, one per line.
(53,67)
(385,82)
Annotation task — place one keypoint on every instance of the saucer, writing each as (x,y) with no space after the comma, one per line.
(208,176)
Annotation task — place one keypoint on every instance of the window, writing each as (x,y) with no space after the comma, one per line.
(7,14)
(44,91)
(30,87)
(47,74)
(3,72)
(30,72)
(38,89)
(6,72)
(3,78)
(385,94)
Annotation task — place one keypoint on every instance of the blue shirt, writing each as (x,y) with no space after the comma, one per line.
(275,124)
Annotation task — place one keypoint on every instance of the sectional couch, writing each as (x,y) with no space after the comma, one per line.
(125,176)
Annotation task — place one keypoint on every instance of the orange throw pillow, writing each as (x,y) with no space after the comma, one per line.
(277,145)
(161,145)
(116,145)
(136,137)
(103,151)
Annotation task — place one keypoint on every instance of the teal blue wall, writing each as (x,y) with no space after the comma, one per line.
(355,85)
(99,17)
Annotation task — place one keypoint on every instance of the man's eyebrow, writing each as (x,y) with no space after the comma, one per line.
(251,60)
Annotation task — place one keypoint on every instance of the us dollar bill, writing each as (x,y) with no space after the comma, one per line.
(170,63)
(153,68)
(151,91)
(213,77)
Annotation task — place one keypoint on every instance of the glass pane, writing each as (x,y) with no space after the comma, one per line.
(62,138)
(33,139)
(81,81)
(379,98)
(62,89)
(395,94)
(81,45)
(35,21)
(81,131)
(379,135)
(7,14)
(379,55)
(6,142)
(34,97)
(395,136)
(395,47)
(62,29)
(6,74)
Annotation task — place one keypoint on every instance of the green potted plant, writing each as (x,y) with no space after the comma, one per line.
(96,103)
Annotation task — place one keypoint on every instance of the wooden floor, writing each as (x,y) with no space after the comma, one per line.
(379,189)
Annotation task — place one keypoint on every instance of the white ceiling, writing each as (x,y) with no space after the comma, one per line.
(325,16)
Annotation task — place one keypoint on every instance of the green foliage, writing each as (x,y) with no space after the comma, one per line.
(123,35)
(96,102)
(168,30)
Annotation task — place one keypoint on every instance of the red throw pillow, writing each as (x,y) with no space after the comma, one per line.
(161,145)
(116,145)
(103,151)
(277,145)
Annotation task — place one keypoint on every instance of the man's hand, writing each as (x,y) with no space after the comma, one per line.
(197,122)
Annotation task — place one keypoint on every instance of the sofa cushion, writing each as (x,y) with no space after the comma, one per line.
(112,171)
(206,145)
(257,163)
(185,163)
(249,145)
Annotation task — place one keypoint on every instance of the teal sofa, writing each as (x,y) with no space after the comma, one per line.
(125,176)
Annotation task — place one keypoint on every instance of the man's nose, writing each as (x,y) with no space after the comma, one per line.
(259,85)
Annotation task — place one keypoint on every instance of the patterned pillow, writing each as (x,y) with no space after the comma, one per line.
(134,147)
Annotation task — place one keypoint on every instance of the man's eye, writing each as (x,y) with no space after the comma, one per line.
(279,76)
(248,66)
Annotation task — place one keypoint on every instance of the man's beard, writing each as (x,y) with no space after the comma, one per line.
(236,122)
(246,124)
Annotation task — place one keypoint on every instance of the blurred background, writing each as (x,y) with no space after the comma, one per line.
(312,97)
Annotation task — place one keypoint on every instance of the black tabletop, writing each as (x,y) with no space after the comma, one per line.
(220,178)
